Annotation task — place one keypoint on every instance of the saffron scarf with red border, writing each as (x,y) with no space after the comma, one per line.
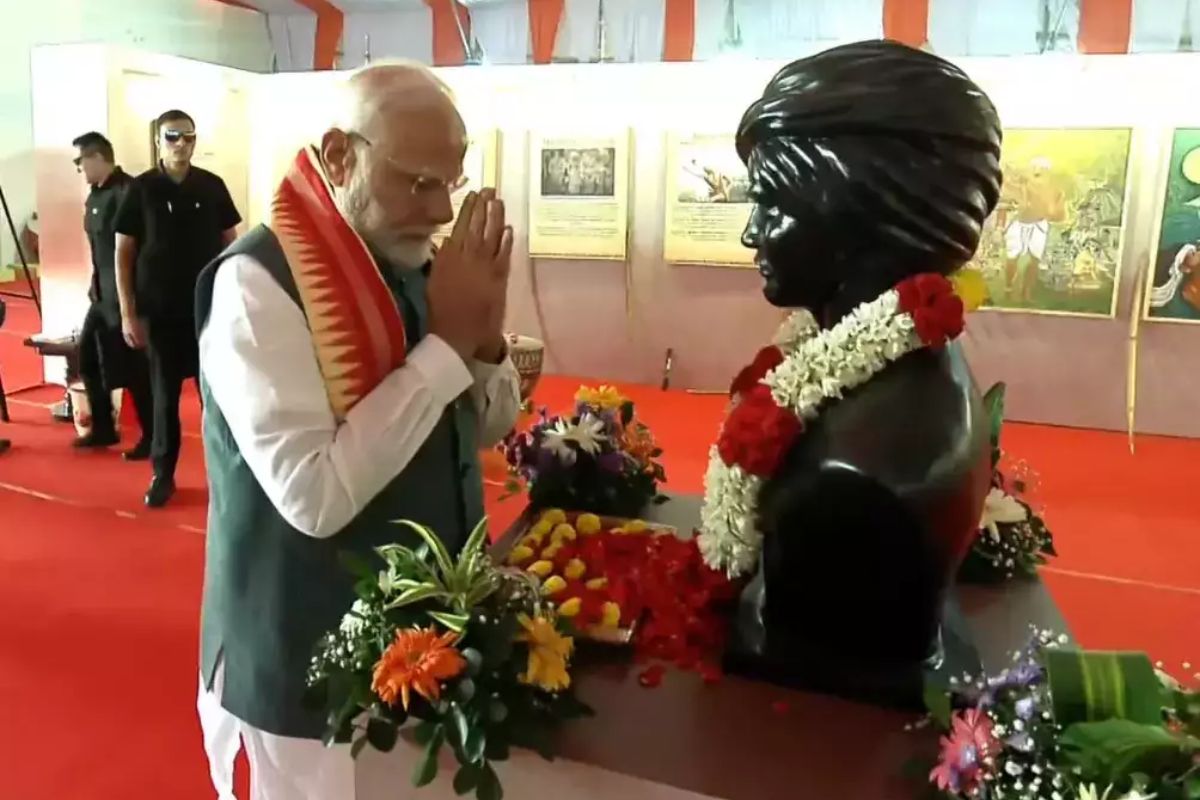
(357,330)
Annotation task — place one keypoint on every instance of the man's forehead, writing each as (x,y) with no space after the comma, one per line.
(181,125)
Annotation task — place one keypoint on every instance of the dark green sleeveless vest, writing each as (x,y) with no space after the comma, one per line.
(271,591)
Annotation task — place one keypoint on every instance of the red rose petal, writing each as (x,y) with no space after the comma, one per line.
(652,676)
(710,672)
(764,361)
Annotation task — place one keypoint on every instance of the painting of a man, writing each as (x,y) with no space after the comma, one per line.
(1038,203)
(1053,244)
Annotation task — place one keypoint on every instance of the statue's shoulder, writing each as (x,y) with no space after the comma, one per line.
(916,427)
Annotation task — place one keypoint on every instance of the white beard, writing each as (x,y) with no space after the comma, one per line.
(401,249)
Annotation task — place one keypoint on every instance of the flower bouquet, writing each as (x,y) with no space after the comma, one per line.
(1013,538)
(628,582)
(467,653)
(1066,724)
(600,458)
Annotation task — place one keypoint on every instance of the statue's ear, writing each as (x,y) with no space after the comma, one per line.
(993,401)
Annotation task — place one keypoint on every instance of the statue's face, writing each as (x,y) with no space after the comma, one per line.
(791,255)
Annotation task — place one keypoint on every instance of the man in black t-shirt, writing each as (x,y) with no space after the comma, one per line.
(174,219)
(105,361)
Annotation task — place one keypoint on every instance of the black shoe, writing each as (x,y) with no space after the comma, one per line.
(139,452)
(97,439)
(160,491)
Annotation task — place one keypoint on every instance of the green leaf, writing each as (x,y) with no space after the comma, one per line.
(465,690)
(424,732)
(1095,685)
(937,702)
(381,734)
(426,767)
(476,745)
(482,590)
(476,540)
(461,726)
(466,779)
(1191,787)
(489,787)
(454,622)
(440,554)
(1113,749)
(415,596)
(993,401)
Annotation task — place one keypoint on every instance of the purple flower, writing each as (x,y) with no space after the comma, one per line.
(611,462)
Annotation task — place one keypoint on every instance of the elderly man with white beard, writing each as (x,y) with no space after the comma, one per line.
(350,376)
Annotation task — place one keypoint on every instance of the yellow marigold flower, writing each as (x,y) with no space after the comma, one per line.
(588,524)
(605,398)
(619,530)
(551,551)
(611,615)
(562,533)
(541,568)
(571,607)
(970,287)
(520,554)
(548,654)
(553,585)
(553,516)
(541,528)
(635,526)
(597,583)
(575,569)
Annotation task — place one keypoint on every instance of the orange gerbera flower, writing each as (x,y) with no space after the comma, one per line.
(419,660)
(639,442)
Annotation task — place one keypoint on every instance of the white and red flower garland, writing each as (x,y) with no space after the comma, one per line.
(785,387)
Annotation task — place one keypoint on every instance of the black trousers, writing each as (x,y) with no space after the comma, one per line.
(107,363)
(174,356)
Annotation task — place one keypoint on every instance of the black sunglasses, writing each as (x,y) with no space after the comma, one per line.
(175,136)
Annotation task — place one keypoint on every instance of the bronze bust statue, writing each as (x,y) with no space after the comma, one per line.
(868,163)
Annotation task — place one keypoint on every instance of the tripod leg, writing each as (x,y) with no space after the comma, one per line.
(3,402)
(12,228)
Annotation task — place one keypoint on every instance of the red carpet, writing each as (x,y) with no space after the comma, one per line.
(20,367)
(100,596)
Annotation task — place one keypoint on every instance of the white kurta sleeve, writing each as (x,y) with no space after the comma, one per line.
(257,358)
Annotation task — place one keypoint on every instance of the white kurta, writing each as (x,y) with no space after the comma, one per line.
(257,358)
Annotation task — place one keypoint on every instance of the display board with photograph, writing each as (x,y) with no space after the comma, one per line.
(1173,292)
(578,198)
(1053,243)
(707,201)
(480,168)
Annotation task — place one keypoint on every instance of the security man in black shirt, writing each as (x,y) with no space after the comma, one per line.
(174,220)
(105,361)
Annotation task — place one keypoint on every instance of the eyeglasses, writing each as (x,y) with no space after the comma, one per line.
(424,185)
(171,137)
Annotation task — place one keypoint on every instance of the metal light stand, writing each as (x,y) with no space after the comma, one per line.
(473,54)
(33,293)
(731,41)
(602,54)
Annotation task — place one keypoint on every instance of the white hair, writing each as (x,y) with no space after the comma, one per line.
(368,89)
